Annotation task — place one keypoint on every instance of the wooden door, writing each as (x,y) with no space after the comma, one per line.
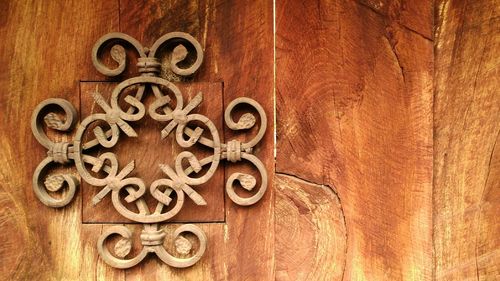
(383,119)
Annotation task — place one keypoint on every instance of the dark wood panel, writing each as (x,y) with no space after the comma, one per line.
(354,112)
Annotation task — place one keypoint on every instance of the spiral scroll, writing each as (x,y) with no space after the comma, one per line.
(152,240)
(148,60)
(236,151)
(58,153)
(187,127)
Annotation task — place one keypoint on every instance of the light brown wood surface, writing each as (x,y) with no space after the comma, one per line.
(466,152)
(44,52)
(308,217)
(354,112)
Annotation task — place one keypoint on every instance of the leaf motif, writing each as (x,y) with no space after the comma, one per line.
(248,182)
(118,53)
(53,121)
(182,245)
(123,247)
(54,182)
(178,54)
(246,121)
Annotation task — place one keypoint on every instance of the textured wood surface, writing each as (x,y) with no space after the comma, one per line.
(46,52)
(466,154)
(308,217)
(354,112)
(354,97)
(412,15)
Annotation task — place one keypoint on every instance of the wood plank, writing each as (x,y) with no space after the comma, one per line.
(466,154)
(149,151)
(237,37)
(354,112)
(243,58)
(312,240)
(45,50)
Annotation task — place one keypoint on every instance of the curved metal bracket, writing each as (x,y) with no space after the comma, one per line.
(185,56)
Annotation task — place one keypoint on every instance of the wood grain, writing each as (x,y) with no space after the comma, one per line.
(413,15)
(466,155)
(308,218)
(243,58)
(44,51)
(354,112)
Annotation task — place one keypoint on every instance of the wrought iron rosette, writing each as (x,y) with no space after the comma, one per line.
(184,58)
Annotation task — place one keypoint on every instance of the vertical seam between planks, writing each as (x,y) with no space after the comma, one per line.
(274,138)
(274,84)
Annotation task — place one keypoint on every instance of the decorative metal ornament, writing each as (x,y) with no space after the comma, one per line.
(180,121)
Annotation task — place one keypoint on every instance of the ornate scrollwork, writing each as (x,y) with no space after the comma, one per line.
(184,58)
(152,240)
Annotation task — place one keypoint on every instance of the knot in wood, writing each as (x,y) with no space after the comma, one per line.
(149,66)
(234,151)
(151,237)
(59,152)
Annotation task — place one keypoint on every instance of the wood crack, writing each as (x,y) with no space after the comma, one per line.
(481,204)
(392,43)
(329,188)
(386,17)
(306,181)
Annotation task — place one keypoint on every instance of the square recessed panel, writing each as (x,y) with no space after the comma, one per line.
(149,151)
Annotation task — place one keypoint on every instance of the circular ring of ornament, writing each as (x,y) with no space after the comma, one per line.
(178,180)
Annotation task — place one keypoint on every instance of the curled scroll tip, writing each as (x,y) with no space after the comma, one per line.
(179,54)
